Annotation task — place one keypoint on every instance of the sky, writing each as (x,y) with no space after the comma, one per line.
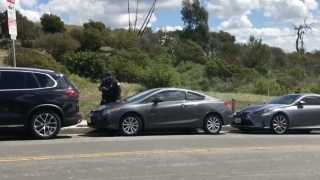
(270,20)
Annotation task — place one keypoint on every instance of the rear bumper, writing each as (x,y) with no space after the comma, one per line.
(71,121)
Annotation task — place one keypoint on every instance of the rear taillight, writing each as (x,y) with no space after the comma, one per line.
(227,104)
(72,94)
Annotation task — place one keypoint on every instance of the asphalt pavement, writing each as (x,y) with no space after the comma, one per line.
(229,156)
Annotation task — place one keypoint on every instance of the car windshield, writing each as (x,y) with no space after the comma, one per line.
(287,99)
(141,95)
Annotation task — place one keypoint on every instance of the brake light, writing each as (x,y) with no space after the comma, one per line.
(227,104)
(72,94)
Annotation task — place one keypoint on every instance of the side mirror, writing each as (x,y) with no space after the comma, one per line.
(158,99)
(301,103)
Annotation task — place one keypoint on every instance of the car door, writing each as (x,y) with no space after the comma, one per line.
(169,113)
(193,111)
(309,113)
(17,97)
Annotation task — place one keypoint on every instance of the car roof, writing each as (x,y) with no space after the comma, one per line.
(304,94)
(180,89)
(26,69)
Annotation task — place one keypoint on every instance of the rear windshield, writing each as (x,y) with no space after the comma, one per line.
(63,81)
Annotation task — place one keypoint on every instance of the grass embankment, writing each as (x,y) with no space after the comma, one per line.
(89,89)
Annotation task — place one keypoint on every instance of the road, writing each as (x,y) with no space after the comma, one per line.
(229,156)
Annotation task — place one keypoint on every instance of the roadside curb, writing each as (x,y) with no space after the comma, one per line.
(82,129)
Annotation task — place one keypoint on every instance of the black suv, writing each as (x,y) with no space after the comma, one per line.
(37,100)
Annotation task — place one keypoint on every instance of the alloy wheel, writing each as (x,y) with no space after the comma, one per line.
(213,124)
(280,124)
(45,124)
(130,125)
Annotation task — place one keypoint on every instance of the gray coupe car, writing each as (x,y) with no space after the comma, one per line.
(293,111)
(162,108)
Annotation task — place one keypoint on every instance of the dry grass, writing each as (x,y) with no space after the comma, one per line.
(3,54)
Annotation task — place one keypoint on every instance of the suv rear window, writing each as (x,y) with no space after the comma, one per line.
(44,80)
(63,81)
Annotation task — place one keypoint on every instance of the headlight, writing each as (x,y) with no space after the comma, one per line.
(109,111)
(263,111)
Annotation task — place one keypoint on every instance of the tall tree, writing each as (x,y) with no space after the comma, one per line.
(195,18)
(52,24)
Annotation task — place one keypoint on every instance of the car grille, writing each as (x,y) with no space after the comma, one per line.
(245,121)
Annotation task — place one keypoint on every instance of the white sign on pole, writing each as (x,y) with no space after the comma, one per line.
(12,23)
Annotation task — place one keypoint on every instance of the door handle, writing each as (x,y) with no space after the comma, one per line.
(183,105)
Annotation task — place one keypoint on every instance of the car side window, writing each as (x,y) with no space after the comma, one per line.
(194,96)
(44,80)
(31,82)
(12,80)
(174,95)
(311,100)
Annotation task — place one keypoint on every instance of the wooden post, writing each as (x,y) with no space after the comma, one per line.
(234,105)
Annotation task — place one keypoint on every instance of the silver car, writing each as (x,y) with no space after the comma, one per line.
(293,111)
(162,108)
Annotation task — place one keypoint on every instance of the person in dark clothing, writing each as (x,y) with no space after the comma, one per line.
(110,88)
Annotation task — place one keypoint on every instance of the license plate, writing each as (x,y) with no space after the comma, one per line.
(237,120)
(89,119)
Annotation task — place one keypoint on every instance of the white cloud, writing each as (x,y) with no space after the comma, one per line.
(227,8)
(282,11)
(169,28)
(236,22)
(112,13)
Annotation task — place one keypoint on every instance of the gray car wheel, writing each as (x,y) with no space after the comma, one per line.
(44,124)
(279,124)
(212,124)
(130,125)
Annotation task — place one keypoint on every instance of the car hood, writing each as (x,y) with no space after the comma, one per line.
(260,107)
(111,105)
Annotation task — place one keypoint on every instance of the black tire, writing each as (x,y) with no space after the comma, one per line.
(212,119)
(245,130)
(135,121)
(281,124)
(35,119)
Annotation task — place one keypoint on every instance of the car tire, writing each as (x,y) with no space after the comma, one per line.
(245,130)
(212,124)
(44,124)
(130,125)
(279,124)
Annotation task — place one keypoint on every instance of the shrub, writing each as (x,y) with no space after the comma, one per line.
(32,58)
(56,44)
(161,74)
(90,65)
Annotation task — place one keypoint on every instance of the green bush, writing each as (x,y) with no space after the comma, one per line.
(56,44)
(90,65)
(26,57)
(161,74)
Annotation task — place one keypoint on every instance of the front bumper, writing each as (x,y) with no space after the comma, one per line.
(252,121)
(98,121)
